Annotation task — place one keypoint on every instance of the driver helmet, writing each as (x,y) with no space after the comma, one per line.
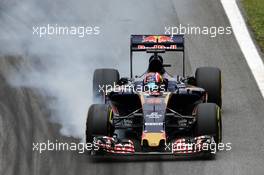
(153,81)
(156,64)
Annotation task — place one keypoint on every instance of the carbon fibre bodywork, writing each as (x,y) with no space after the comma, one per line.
(151,121)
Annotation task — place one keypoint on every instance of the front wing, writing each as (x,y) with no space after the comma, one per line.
(181,146)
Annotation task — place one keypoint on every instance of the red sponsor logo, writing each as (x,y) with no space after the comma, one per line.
(163,39)
(150,39)
(157,39)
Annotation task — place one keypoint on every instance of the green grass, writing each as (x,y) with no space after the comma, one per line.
(255,18)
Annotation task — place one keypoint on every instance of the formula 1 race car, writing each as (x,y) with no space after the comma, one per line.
(155,113)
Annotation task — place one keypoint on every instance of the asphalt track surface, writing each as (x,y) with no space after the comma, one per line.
(24,118)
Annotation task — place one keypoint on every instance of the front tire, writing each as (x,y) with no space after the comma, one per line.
(97,123)
(209,121)
(209,78)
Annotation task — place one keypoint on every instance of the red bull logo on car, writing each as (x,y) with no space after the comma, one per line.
(157,39)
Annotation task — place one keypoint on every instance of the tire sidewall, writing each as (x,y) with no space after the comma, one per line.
(97,123)
(208,121)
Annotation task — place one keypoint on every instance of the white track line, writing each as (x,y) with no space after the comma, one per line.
(245,42)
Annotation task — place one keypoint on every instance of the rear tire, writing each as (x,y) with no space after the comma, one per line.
(103,78)
(97,123)
(209,78)
(208,121)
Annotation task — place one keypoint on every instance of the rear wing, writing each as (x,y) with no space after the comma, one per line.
(158,43)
